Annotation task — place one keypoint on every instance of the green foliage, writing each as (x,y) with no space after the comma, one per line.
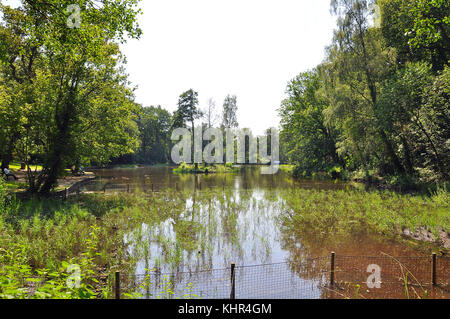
(19,281)
(229,113)
(378,106)
(419,126)
(431,27)
(187,110)
(418,29)
(73,96)
(154,127)
(184,168)
(309,140)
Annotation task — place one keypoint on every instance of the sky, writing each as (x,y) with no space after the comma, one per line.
(250,48)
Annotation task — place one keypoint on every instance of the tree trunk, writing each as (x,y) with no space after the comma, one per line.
(6,159)
(373,95)
(52,177)
(408,158)
(7,156)
(61,147)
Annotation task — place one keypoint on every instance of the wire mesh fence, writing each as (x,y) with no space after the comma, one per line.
(332,277)
(398,277)
(278,281)
(210,284)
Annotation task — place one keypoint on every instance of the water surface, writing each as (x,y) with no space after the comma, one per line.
(232,218)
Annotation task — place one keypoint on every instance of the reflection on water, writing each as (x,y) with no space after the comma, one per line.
(230,218)
(230,226)
(162,178)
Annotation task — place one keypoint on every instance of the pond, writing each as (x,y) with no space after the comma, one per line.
(231,218)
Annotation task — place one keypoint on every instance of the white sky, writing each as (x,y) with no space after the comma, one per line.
(250,48)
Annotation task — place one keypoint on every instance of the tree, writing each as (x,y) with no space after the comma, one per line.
(210,113)
(80,105)
(419,125)
(360,60)
(431,30)
(187,111)
(418,29)
(229,114)
(380,101)
(311,143)
(154,129)
(20,56)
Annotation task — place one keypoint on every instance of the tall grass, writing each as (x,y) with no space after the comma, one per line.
(345,213)
(39,236)
(48,233)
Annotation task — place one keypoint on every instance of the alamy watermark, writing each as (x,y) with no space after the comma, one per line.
(374,280)
(74,279)
(259,149)
(74,20)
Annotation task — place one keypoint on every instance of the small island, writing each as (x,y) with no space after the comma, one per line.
(184,168)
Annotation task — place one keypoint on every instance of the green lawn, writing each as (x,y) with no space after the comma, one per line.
(15,166)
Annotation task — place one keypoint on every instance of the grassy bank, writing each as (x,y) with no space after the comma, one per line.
(326,215)
(372,178)
(16,166)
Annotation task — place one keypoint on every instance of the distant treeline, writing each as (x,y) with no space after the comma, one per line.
(155,126)
(379,103)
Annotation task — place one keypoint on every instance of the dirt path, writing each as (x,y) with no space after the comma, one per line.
(63,183)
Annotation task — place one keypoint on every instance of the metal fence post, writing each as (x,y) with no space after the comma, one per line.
(433,269)
(233,282)
(117,285)
(333,255)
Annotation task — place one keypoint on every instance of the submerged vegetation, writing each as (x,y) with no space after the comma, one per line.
(40,239)
(330,215)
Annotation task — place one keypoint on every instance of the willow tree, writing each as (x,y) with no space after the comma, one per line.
(360,60)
